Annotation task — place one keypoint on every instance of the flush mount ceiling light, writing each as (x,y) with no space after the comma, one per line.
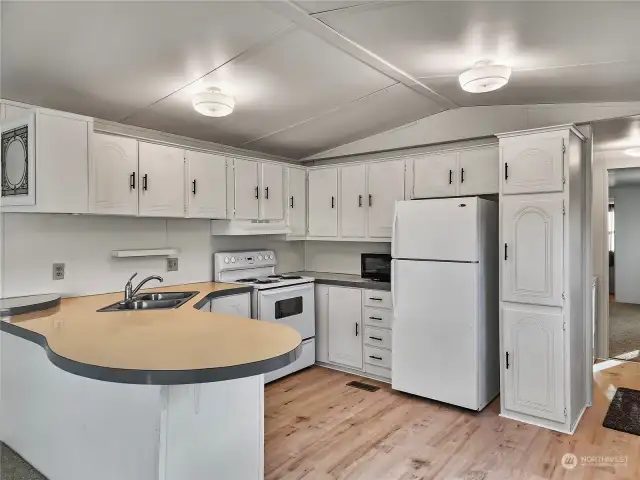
(634,152)
(213,103)
(484,77)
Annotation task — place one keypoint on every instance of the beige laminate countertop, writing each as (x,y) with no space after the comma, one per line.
(176,346)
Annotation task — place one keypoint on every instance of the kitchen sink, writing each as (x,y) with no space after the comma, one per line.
(151,301)
(164,296)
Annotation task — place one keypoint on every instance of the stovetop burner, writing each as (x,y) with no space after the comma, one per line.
(265,281)
(274,276)
(247,280)
(290,277)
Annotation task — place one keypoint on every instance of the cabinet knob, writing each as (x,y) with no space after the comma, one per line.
(506,171)
(291,201)
(376,338)
(194,186)
(462,175)
(450,177)
(266,193)
(132,181)
(257,194)
(370,199)
(375,358)
(145,182)
(359,200)
(333,202)
(356,329)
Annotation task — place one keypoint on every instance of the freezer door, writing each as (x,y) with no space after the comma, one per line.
(435,331)
(439,229)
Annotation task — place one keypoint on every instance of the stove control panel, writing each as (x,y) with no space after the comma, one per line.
(239,260)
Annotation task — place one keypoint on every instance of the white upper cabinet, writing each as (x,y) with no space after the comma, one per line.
(478,171)
(352,200)
(532,163)
(345,326)
(435,175)
(113,175)
(271,184)
(206,185)
(61,173)
(323,207)
(533,363)
(161,181)
(386,187)
(532,232)
(297,201)
(247,189)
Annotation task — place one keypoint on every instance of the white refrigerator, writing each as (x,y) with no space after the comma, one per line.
(444,284)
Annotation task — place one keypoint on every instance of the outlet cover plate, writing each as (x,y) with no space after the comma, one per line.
(58,271)
(172,264)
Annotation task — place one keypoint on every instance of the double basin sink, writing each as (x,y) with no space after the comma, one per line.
(151,301)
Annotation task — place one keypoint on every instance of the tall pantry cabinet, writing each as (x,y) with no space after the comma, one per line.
(545,375)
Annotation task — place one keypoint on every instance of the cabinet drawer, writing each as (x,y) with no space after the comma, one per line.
(377,337)
(377,298)
(378,371)
(376,317)
(377,356)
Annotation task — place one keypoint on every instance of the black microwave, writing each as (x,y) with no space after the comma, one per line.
(375,266)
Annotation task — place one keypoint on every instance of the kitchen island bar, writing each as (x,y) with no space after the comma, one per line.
(147,395)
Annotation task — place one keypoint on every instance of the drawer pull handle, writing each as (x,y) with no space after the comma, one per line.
(375,358)
(375,318)
(377,299)
(376,338)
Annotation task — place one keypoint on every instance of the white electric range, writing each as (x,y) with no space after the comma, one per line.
(278,298)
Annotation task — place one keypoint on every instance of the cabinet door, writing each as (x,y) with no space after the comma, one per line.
(386,187)
(352,201)
(161,181)
(323,212)
(532,230)
(297,202)
(322,322)
(532,164)
(479,171)
(113,172)
(435,175)
(345,326)
(533,363)
(246,188)
(206,185)
(62,165)
(272,202)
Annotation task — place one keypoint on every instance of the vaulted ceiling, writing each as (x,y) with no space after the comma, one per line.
(309,75)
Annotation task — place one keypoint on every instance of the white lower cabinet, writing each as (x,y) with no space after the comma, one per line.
(238,305)
(534,361)
(345,326)
(350,334)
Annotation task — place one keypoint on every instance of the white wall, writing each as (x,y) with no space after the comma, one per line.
(627,238)
(339,257)
(33,242)
(475,122)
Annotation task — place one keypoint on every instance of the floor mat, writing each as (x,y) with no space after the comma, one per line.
(624,412)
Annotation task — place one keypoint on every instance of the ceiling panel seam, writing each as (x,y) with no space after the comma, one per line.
(256,47)
(323,114)
(325,32)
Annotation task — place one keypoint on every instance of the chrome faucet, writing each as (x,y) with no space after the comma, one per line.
(129,291)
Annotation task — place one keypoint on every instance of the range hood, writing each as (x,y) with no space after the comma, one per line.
(249,227)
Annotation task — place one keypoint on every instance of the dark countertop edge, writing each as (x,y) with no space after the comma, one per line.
(159,377)
(357,282)
(34,307)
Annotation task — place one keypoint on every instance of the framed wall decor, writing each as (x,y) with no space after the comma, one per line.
(18,161)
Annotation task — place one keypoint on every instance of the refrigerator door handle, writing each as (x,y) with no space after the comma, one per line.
(394,228)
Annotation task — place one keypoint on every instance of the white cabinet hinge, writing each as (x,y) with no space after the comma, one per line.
(564,297)
(564,326)
(564,210)
(565,411)
(564,149)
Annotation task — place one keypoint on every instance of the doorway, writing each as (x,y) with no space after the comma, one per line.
(623,230)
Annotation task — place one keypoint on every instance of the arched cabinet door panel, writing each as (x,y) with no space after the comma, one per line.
(532,231)
(532,164)
(533,363)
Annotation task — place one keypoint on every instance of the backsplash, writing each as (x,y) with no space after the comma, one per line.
(339,257)
(33,242)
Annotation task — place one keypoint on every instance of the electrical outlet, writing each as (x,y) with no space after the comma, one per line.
(172,264)
(58,271)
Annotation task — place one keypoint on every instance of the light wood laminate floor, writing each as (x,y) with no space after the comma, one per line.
(318,428)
